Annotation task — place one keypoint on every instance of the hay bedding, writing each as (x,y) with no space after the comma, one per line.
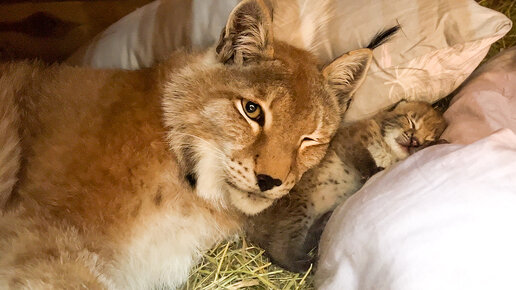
(238,265)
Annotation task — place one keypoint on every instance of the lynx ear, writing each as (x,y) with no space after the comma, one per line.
(393,107)
(247,36)
(346,73)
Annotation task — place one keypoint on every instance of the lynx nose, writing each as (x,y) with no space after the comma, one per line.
(265,182)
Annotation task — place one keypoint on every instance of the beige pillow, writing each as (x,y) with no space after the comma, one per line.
(440,43)
(486,102)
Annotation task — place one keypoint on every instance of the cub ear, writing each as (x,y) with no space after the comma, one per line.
(346,73)
(396,105)
(247,36)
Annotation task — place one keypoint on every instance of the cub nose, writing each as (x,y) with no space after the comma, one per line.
(265,182)
(414,142)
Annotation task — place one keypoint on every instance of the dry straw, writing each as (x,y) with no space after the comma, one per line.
(238,265)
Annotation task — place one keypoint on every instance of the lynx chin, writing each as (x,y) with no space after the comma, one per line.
(114,179)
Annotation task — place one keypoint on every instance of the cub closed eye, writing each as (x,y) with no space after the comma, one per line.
(252,110)
(411,122)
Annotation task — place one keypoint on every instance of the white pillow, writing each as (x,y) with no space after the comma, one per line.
(440,44)
(445,217)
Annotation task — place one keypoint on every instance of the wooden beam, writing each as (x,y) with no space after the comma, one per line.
(52,30)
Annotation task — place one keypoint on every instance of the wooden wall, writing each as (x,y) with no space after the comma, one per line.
(52,30)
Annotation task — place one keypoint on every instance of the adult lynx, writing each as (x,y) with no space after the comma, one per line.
(124,178)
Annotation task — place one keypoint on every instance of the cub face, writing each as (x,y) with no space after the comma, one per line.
(250,116)
(411,125)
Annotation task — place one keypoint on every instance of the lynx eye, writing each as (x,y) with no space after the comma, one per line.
(252,110)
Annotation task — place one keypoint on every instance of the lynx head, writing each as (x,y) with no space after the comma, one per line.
(409,126)
(251,115)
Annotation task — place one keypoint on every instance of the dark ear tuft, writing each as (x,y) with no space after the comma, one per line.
(346,73)
(247,36)
(383,36)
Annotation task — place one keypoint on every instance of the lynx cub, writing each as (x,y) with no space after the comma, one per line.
(289,229)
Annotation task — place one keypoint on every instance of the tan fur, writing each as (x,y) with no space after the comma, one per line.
(290,228)
(9,139)
(127,177)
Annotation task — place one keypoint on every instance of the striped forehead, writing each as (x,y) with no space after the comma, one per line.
(290,113)
(292,98)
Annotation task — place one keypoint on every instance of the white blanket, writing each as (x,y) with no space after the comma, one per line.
(445,218)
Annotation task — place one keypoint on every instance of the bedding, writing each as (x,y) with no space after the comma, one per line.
(445,217)
(439,45)
(486,103)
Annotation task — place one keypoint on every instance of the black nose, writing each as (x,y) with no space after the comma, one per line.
(265,182)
